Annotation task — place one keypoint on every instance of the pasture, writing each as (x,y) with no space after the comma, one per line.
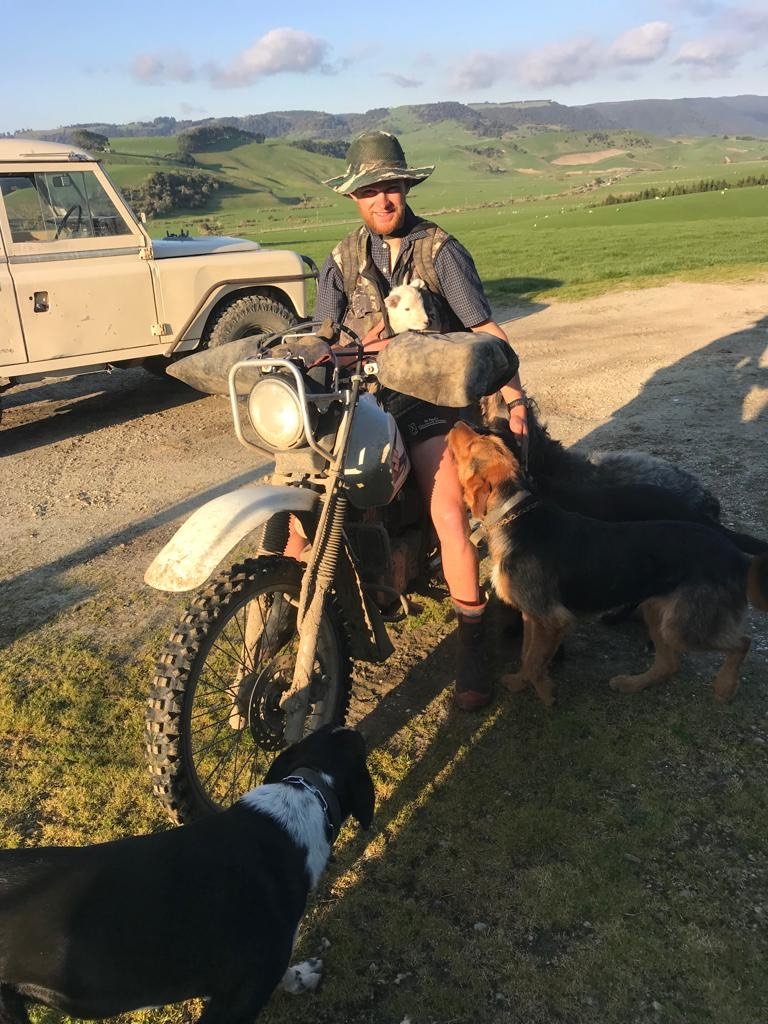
(535,228)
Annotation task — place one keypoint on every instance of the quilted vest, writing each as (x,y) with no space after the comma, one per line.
(366,287)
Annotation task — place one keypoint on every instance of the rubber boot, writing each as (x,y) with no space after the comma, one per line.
(473,688)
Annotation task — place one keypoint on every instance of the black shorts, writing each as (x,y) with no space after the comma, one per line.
(417,420)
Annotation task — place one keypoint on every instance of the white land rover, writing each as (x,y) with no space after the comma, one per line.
(83,287)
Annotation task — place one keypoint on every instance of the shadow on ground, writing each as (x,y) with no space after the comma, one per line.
(75,406)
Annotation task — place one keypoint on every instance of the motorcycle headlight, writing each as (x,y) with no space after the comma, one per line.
(275,413)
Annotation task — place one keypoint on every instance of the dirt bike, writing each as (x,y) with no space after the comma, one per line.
(263,653)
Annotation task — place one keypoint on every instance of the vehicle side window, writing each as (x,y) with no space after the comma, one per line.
(48,206)
(23,208)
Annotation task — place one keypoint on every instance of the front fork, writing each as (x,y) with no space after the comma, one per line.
(316,582)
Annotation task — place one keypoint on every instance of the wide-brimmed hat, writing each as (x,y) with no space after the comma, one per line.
(373,157)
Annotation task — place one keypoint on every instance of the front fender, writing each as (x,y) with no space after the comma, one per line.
(210,533)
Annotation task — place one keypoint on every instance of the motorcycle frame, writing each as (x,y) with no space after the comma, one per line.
(204,540)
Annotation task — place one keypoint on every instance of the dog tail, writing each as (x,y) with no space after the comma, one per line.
(744,542)
(757,583)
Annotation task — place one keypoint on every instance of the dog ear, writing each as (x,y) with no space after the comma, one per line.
(360,791)
(363,797)
(476,493)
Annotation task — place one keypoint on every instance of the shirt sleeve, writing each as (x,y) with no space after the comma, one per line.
(331,301)
(461,284)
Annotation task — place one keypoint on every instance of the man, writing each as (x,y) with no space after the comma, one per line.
(392,247)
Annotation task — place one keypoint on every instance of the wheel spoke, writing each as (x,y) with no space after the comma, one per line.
(225,685)
(237,655)
(207,712)
(224,757)
(220,732)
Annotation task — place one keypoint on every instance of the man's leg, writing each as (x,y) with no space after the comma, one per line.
(439,483)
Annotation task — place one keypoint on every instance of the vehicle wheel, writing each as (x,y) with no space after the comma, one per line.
(248,315)
(213,720)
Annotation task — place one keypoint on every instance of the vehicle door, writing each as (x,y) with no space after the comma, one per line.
(81,284)
(11,339)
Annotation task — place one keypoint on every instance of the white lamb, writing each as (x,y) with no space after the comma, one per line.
(405,307)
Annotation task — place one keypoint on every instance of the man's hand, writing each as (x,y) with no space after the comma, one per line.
(517,405)
(372,340)
(518,420)
(512,393)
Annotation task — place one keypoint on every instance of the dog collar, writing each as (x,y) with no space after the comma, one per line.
(314,783)
(508,507)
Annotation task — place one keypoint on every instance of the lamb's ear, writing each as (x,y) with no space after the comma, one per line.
(393,301)
(417,283)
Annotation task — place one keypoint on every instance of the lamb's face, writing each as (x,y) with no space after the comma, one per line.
(405,309)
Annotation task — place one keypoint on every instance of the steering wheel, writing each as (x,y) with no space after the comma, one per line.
(65,219)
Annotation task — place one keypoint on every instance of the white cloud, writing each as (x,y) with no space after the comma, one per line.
(643,44)
(480,71)
(750,18)
(712,57)
(565,63)
(153,69)
(733,32)
(282,50)
(575,60)
(278,51)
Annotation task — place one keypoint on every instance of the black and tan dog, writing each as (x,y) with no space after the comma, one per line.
(205,910)
(617,486)
(690,581)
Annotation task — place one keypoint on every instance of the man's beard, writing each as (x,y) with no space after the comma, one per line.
(388,224)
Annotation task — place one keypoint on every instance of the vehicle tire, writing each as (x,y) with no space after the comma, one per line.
(213,720)
(245,316)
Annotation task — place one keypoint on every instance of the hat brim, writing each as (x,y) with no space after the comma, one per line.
(346,183)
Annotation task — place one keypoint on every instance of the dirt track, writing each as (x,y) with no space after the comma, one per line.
(97,471)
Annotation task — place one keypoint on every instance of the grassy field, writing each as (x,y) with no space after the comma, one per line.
(602,862)
(534,227)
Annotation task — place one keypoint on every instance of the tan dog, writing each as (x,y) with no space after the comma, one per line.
(690,582)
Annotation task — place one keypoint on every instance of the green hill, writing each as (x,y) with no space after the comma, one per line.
(527,203)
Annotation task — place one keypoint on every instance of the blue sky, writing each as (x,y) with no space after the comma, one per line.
(91,61)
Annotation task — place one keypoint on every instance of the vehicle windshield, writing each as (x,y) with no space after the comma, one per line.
(48,206)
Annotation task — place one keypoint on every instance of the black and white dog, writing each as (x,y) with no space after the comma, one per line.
(205,910)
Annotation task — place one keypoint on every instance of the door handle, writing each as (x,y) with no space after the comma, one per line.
(40,300)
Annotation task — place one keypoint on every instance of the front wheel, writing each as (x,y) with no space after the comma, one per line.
(214,722)
(246,316)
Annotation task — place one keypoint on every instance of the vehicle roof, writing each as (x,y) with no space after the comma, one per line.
(20,150)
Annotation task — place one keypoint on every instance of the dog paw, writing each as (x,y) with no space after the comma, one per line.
(303,977)
(514,681)
(623,684)
(546,695)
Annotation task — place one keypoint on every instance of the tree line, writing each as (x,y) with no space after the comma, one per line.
(164,192)
(685,189)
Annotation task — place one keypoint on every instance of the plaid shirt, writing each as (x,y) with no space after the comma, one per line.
(454,267)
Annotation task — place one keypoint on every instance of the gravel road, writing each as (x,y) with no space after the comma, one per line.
(98,470)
